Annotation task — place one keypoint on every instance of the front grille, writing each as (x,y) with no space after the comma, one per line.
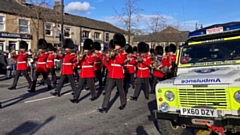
(216,98)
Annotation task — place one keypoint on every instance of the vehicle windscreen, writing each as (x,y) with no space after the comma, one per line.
(218,51)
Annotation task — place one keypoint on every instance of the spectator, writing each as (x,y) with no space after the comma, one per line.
(3,63)
(12,67)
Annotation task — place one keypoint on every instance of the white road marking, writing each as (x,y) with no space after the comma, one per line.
(35,100)
(40,99)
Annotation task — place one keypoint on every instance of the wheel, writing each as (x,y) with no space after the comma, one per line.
(166,127)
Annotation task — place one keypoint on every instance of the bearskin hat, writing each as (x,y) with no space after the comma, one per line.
(88,44)
(143,47)
(68,43)
(96,45)
(152,50)
(111,45)
(119,39)
(42,44)
(159,50)
(50,47)
(135,49)
(129,49)
(173,48)
(167,49)
(23,45)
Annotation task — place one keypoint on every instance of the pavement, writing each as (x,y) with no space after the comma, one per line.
(40,113)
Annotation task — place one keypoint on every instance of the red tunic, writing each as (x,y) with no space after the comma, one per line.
(98,62)
(158,73)
(143,67)
(87,68)
(67,64)
(130,66)
(21,59)
(116,66)
(50,60)
(41,62)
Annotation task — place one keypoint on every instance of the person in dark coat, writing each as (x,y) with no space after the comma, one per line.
(3,64)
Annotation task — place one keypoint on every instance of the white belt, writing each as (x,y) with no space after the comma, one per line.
(128,65)
(116,65)
(49,61)
(97,62)
(67,63)
(143,68)
(87,66)
(41,62)
(22,62)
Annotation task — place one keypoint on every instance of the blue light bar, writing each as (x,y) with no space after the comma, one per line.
(226,27)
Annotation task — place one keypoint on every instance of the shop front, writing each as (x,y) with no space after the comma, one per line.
(10,41)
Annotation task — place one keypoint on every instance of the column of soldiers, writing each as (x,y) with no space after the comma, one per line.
(122,61)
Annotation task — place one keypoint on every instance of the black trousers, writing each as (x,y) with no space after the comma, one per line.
(91,85)
(103,70)
(128,77)
(76,73)
(54,77)
(61,82)
(138,87)
(155,81)
(17,75)
(45,77)
(98,74)
(111,83)
(105,78)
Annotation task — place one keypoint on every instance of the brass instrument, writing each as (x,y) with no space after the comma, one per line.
(35,54)
(156,63)
(80,54)
(13,53)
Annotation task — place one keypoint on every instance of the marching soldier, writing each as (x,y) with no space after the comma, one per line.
(110,47)
(50,63)
(143,72)
(172,60)
(98,63)
(159,68)
(87,71)
(75,65)
(129,68)
(115,73)
(22,65)
(67,67)
(135,54)
(41,67)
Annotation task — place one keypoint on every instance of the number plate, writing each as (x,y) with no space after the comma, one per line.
(204,112)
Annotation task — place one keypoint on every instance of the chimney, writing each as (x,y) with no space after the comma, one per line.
(22,1)
(57,6)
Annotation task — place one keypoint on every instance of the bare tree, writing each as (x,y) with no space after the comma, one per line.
(157,22)
(39,8)
(129,15)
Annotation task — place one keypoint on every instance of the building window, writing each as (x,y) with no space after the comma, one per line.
(48,29)
(23,26)
(67,32)
(97,35)
(85,34)
(2,27)
(107,36)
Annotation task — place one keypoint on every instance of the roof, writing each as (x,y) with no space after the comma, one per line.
(167,35)
(47,14)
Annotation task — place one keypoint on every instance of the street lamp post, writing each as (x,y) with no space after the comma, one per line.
(62,22)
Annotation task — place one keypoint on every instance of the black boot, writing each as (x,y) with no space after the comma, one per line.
(93,98)
(122,107)
(50,87)
(74,100)
(55,93)
(31,90)
(0,105)
(102,110)
(12,88)
(133,98)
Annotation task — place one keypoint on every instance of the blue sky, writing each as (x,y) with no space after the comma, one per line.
(185,13)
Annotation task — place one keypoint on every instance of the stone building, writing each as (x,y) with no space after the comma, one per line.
(22,21)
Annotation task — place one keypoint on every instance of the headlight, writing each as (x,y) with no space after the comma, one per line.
(169,96)
(164,107)
(237,96)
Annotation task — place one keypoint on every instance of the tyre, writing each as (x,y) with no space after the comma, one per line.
(167,128)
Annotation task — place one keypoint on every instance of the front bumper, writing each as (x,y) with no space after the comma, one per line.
(187,120)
